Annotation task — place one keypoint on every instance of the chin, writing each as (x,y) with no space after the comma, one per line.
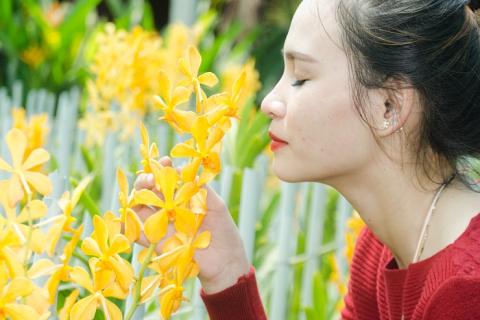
(287,174)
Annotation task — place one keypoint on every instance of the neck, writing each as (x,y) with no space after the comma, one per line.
(393,205)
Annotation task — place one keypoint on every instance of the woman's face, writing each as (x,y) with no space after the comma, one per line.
(325,135)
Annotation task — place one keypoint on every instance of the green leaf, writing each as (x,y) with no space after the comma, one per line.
(320,295)
(148,21)
(74,22)
(116,7)
(5,11)
(86,200)
(223,41)
(89,162)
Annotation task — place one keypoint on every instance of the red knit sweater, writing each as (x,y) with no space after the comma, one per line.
(445,286)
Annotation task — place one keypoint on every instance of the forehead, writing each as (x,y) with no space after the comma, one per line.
(312,26)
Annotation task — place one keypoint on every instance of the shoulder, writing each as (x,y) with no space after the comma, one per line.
(367,259)
(368,246)
(457,298)
(466,251)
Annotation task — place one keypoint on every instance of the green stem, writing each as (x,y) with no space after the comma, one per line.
(30,231)
(81,258)
(138,284)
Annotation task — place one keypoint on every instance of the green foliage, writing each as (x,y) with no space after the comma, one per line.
(42,53)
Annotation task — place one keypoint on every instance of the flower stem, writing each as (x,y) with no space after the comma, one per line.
(30,229)
(138,284)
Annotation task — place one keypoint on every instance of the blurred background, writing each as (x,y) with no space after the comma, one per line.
(66,69)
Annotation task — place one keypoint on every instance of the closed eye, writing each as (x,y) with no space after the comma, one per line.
(297,83)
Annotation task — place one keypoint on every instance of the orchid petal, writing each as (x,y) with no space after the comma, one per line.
(39,182)
(35,158)
(208,78)
(84,309)
(156,226)
(17,144)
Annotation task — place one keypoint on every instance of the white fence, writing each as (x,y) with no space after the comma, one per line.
(302,206)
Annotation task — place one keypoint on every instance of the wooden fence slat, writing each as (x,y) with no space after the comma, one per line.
(282,273)
(315,229)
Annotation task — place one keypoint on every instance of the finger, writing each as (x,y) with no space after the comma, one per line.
(143,212)
(215,202)
(144,181)
(166,161)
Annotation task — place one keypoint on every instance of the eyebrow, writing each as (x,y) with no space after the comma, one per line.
(291,54)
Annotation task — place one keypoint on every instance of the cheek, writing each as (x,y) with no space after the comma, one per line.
(325,124)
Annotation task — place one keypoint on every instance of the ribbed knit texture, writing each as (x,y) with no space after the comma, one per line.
(445,286)
(239,302)
(379,290)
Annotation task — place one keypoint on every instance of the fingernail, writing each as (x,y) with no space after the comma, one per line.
(150,178)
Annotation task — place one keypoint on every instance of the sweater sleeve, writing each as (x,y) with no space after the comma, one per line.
(458,298)
(238,302)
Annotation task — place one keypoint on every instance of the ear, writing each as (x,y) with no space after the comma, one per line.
(394,110)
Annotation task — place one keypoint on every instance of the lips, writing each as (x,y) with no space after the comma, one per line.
(275,138)
(277,143)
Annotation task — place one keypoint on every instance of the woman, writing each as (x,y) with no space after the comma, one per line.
(379,99)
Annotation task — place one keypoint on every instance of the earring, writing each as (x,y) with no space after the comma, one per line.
(386,124)
(395,115)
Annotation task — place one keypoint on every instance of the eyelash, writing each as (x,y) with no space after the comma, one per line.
(297,83)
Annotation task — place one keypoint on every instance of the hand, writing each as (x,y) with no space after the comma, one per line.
(225,260)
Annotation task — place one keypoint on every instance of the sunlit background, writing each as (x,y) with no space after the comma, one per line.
(78,78)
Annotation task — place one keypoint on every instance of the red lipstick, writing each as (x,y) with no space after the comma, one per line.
(276,143)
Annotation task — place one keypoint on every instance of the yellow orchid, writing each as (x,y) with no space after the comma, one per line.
(233,96)
(203,148)
(37,132)
(172,294)
(149,151)
(38,300)
(25,175)
(354,225)
(58,272)
(131,222)
(33,56)
(63,222)
(167,102)
(166,181)
(106,243)
(64,313)
(243,87)
(8,241)
(100,288)
(177,39)
(96,126)
(125,66)
(19,287)
(336,278)
(189,67)
(126,122)
(178,250)
(33,210)
(170,301)
(36,129)
(19,119)
(232,100)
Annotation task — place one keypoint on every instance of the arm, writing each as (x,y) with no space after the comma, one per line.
(457,298)
(240,301)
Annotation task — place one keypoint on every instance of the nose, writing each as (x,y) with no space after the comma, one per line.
(273,107)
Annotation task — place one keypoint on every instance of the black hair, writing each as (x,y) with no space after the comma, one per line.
(432,46)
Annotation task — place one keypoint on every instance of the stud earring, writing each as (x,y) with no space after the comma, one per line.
(386,124)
